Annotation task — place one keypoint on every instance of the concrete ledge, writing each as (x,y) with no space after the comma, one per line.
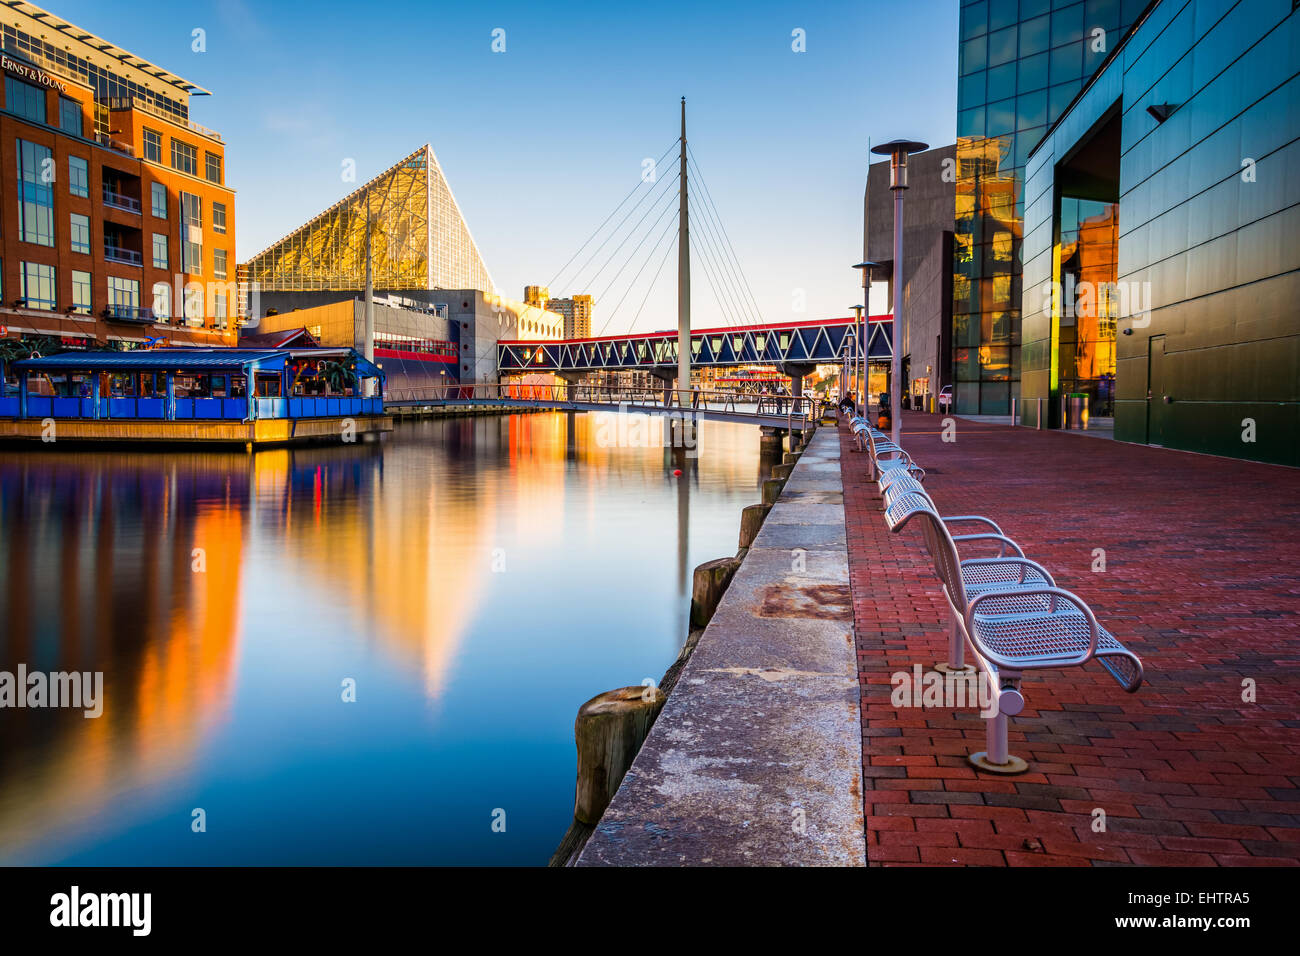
(757,756)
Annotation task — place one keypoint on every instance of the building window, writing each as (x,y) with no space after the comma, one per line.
(38,285)
(191,234)
(123,296)
(80,233)
(162,301)
(185,158)
(160,259)
(69,116)
(36,195)
(219,308)
(81,292)
(212,167)
(152,145)
(219,217)
(158,199)
(218,263)
(78,177)
(26,100)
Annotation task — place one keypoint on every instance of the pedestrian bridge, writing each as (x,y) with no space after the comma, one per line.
(785,344)
(773,411)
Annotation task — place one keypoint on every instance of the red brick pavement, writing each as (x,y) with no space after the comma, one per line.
(1202,580)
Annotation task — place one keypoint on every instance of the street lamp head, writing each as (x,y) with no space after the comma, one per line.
(897,151)
(899,146)
(868,267)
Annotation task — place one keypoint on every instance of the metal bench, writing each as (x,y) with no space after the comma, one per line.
(885,455)
(1014,619)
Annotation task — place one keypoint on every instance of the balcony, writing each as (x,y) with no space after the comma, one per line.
(128,313)
(103,139)
(121,201)
(121,254)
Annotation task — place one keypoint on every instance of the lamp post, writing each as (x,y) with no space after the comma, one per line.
(847,350)
(857,354)
(867,267)
(897,151)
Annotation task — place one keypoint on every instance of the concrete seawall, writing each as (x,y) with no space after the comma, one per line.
(757,757)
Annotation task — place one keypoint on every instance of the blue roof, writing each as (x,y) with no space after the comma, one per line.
(184,360)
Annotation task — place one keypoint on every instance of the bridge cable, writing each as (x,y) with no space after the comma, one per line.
(726,268)
(645,298)
(657,187)
(660,209)
(665,215)
(714,286)
(708,195)
(709,257)
(725,281)
(649,258)
(610,216)
(712,208)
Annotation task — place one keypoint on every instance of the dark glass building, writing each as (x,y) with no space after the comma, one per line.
(1161,272)
(1020,64)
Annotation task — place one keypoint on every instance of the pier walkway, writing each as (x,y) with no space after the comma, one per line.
(1201,578)
(756,757)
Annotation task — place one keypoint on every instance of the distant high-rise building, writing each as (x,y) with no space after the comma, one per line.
(577,315)
(537,295)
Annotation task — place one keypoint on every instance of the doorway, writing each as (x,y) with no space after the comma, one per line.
(1156,390)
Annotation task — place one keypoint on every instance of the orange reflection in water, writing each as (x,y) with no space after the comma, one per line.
(107,585)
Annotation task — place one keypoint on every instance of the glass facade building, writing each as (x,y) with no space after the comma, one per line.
(1160,213)
(419,239)
(1020,64)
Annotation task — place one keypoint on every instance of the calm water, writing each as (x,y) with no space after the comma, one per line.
(478,579)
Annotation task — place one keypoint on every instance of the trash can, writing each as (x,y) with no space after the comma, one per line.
(1076,411)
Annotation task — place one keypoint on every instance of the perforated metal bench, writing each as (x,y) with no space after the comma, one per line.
(1014,619)
(885,455)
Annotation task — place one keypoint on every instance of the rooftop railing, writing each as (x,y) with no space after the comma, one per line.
(135,103)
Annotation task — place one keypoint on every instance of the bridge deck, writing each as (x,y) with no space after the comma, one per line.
(740,413)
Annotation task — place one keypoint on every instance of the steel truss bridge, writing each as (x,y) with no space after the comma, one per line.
(790,345)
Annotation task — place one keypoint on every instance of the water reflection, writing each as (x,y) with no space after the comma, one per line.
(476,578)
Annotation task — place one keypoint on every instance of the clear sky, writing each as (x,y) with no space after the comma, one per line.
(542,141)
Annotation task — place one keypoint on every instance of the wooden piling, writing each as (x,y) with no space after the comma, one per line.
(771,491)
(782,472)
(751,519)
(609,730)
(707,587)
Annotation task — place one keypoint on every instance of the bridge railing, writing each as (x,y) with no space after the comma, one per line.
(794,408)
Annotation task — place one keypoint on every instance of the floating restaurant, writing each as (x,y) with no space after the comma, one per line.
(247,396)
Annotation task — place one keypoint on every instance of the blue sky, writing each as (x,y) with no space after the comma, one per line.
(541,142)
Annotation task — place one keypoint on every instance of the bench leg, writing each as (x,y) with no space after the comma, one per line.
(997,758)
(956,663)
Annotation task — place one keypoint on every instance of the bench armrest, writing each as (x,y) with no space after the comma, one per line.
(1003,539)
(980,518)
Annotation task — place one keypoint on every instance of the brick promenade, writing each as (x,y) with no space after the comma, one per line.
(1202,580)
